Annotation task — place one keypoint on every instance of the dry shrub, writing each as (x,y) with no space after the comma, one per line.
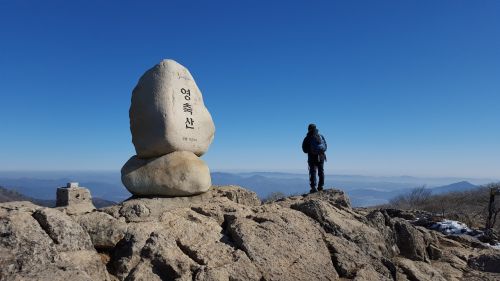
(470,206)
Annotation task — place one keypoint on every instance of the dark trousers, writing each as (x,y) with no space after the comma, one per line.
(313,167)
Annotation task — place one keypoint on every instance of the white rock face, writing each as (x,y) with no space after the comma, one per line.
(178,173)
(167,113)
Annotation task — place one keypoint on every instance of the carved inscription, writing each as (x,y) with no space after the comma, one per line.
(188,108)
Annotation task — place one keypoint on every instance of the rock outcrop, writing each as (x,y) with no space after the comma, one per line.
(45,244)
(171,128)
(227,234)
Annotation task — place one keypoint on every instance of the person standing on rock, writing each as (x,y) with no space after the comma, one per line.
(314,145)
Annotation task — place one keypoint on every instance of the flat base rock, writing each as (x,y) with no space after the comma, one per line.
(179,173)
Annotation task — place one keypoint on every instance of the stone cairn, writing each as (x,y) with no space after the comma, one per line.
(171,128)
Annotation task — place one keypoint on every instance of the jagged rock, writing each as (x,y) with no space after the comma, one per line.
(410,241)
(366,273)
(127,253)
(348,259)
(332,196)
(418,270)
(489,262)
(150,209)
(384,225)
(238,195)
(345,223)
(7,208)
(226,234)
(167,113)
(283,244)
(396,213)
(67,234)
(434,252)
(468,240)
(184,244)
(179,173)
(104,230)
(45,244)
(335,197)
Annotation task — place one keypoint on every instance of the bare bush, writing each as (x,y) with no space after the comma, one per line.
(417,197)
(470,206)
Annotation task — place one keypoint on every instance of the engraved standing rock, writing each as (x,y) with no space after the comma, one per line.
(167,113)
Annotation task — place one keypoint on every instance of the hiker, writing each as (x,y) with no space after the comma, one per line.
(315,146)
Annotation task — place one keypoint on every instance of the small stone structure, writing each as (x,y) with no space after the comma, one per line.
(74,199)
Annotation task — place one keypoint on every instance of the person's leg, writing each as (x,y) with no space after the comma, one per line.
(312,176)
(321,175)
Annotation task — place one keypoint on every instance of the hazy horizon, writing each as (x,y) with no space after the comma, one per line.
(363,190)
(301,172)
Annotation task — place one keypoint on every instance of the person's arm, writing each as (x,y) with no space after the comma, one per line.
(326,146)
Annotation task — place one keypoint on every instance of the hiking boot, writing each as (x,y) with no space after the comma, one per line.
(313,190)
(320,188)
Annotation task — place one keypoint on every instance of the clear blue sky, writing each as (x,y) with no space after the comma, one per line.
(396,87)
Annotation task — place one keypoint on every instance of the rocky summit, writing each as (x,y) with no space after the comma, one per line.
(228,234)
(171,128)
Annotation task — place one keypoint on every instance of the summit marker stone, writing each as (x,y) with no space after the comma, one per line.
(167,113)
(171,128)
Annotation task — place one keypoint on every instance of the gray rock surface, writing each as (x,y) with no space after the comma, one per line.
(45,244)
(282,243)
(66,234)
(489,262)
(227,234)
(410,241)
(179,173)
(104,230)
(168,114)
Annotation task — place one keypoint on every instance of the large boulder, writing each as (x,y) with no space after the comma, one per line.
(67,234)
(346,223)
(410,241)
(104,230)
(282,243)
(488,261)
(178,173)
(45,244)
(181,245)
(167,113)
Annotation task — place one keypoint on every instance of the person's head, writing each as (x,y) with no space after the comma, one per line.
(311,128)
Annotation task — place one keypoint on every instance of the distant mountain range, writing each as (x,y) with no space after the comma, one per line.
(363,190)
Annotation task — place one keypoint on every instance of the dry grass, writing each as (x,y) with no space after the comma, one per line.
(470,207)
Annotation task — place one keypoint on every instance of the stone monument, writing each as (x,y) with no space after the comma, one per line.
(74,199)
(171,128)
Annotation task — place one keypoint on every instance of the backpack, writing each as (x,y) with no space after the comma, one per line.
(318,147)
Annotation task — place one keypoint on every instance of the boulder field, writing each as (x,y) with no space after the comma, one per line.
(228,234)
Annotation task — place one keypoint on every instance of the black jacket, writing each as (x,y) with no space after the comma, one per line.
(306,147)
